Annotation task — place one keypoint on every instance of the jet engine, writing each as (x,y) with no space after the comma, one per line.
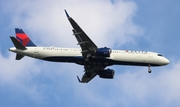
(104,52)
(107,73)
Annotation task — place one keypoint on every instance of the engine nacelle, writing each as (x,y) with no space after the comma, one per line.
(107,73)
(104,52)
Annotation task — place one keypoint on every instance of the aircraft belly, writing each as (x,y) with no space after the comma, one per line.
(98,61)
(63,58)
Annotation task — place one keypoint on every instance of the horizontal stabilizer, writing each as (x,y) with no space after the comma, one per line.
(19,56)
(17,44)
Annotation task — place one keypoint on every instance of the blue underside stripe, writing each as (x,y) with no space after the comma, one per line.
(80,60)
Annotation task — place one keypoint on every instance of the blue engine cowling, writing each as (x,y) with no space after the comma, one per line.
(107,73)
(104,52)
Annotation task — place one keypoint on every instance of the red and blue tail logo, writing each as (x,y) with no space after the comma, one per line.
(23,38)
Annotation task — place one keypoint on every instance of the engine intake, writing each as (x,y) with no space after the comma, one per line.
(107,73)
(104,52)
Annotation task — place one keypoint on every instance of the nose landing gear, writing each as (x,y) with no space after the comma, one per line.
(149,69)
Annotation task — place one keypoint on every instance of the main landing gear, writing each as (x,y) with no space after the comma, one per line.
(149,69)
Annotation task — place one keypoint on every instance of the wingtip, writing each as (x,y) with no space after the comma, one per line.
(79,79)
(66,13)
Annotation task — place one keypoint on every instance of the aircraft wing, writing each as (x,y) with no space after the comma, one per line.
(90,73)
(86,44)
(88,48)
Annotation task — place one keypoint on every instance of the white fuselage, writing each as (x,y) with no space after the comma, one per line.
(74,55)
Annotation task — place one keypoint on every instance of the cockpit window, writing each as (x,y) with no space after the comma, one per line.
(159,54)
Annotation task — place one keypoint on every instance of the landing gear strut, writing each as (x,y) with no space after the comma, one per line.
(149,69)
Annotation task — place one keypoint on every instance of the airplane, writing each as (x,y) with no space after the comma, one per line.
(94,59)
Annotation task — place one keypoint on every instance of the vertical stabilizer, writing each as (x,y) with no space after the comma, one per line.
(23,38)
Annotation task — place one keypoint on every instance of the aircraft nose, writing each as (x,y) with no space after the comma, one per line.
(166,61)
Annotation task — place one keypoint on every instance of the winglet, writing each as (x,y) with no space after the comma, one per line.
(79,80)
(67,14)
